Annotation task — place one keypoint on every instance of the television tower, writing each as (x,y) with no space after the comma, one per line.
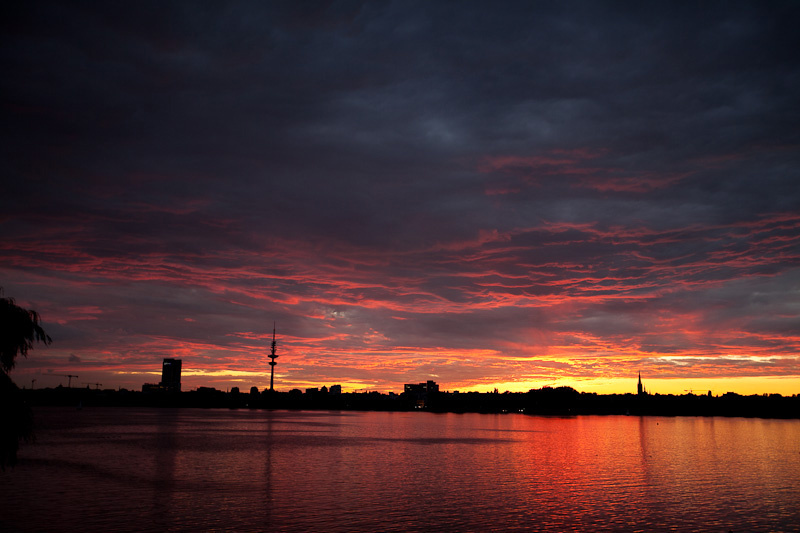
(272,363)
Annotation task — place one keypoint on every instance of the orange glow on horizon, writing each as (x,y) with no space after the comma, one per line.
(500,317)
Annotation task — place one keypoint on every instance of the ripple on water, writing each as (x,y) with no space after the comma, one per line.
(141,470)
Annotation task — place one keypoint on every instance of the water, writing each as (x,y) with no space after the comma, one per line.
(217,470)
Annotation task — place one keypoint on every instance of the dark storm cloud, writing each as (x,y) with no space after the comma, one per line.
(490,174)
(317,113)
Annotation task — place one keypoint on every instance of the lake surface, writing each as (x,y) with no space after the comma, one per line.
(117,469)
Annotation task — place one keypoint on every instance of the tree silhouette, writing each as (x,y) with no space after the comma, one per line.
(19,329)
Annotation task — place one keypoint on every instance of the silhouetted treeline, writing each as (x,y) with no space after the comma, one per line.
(560,401)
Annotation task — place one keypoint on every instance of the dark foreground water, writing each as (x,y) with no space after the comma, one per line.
(216,470)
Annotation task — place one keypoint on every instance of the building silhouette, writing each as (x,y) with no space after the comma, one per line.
(421,393)
(171,375)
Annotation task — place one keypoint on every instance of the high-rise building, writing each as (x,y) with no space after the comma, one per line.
(171,375)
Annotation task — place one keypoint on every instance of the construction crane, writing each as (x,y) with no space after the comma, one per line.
(70,376)
(96,385)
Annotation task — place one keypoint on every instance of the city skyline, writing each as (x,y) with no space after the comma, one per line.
(558,194)
(171,371)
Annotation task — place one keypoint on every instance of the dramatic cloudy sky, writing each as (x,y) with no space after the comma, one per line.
(487,194)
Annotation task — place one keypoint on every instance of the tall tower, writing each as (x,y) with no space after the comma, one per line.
(640,387)
(272,363)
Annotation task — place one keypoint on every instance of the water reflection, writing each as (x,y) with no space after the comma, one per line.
(266,460)
(189,470)
(165,452)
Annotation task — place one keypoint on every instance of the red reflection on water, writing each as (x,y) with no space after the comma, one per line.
(149,469)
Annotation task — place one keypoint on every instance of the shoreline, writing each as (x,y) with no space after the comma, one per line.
(562,401)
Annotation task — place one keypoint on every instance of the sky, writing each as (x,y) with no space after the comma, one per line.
(502,195)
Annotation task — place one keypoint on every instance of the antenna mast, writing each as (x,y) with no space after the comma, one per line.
(272,363)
